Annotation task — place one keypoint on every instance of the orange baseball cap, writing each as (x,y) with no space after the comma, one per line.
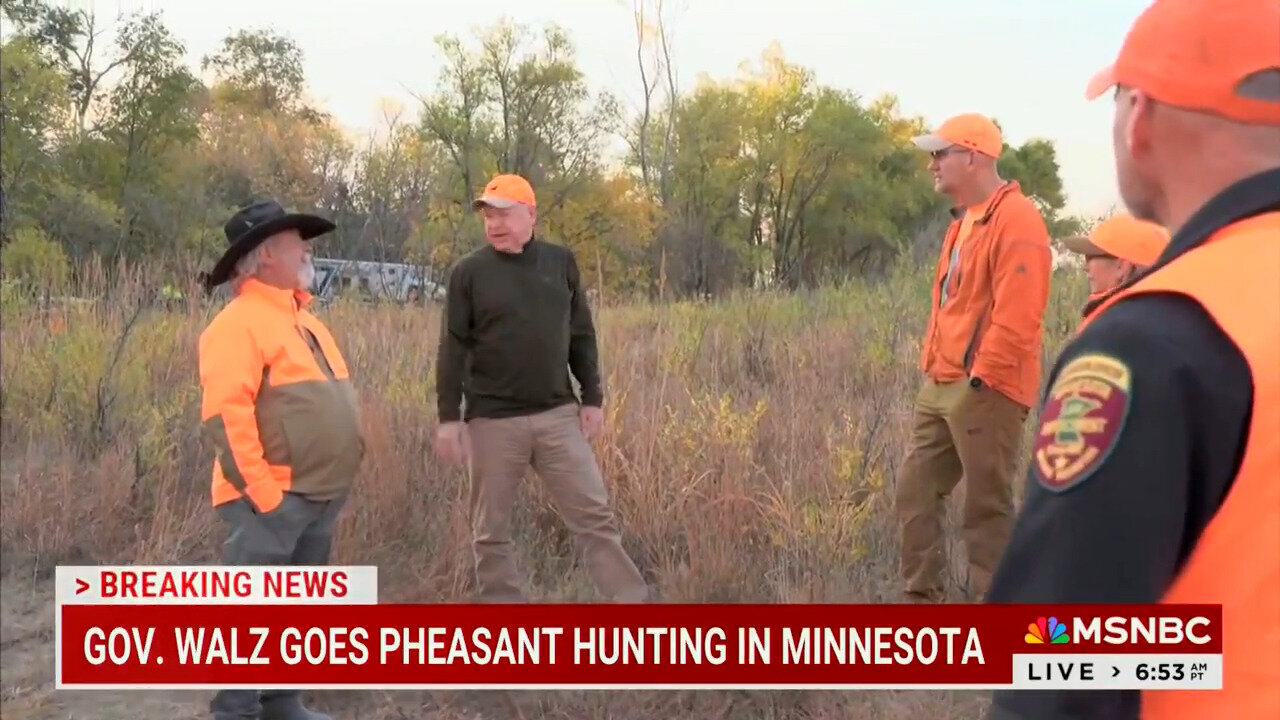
(976,132)
(504,191)
(1219,56)
(1122,236)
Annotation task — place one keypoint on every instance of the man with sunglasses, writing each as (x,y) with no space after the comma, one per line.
(981,360)
(1115,252)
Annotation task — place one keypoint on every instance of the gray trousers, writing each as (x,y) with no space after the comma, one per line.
(297,532)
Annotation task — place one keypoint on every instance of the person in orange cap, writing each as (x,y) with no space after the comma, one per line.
(980,359)
(1153,476)
(516,324)
(1116,252)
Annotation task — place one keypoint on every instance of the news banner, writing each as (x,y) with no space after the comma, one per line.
(209,627)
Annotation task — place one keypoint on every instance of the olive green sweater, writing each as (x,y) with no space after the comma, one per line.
(514,326)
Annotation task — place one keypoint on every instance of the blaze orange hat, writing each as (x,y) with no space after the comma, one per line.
(1219,56)
(976,132)
(1122,236)
(504,191)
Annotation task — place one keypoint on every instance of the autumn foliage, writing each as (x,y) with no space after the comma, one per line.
(769,179)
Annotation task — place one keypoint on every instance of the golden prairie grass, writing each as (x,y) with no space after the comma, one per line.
(750,449)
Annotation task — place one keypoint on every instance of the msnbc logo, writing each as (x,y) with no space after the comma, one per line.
(1047,631)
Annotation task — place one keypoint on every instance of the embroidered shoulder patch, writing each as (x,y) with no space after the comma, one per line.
(1083,415)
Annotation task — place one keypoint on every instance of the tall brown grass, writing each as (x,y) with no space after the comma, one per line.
(751,446)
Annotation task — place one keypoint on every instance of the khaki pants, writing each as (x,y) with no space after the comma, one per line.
(553,443)
(957,430)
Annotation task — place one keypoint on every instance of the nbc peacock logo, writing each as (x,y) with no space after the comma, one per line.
(1047,630)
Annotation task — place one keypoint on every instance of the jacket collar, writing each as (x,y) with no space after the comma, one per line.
(1010,186)
(1096,299)
(289,300)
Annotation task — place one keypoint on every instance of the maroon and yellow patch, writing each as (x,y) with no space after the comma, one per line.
(1081,421)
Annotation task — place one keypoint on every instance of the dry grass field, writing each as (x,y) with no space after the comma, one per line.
(751,447)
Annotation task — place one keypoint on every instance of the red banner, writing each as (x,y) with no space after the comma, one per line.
(633,646)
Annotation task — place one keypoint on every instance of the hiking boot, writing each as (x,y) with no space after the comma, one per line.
(287,705)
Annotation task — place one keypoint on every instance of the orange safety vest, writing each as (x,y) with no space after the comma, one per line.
(1235,276)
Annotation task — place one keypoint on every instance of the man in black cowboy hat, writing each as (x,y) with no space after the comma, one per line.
(280,409)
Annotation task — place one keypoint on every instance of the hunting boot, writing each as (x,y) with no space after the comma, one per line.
(236,705)
(287,705)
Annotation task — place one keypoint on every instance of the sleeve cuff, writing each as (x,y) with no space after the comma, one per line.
(265,496)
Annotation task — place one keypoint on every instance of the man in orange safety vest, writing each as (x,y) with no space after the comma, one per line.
(1155,472)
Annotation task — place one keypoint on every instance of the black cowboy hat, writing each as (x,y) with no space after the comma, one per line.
(254,223)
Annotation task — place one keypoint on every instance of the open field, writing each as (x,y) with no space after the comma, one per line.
(751,446)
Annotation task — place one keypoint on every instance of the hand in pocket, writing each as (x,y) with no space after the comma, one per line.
(280,522)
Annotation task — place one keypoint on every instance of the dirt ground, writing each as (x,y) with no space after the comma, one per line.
(27,667)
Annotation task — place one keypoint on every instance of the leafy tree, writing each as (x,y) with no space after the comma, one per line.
(1034,164)
(765,179)
(32,119)
(513,104)
(259,70)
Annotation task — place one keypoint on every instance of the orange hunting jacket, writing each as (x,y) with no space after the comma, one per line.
(277,401)
(991,323)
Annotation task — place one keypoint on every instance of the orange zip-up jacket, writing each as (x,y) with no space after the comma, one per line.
(277,401)
(990,325)
(1236,560)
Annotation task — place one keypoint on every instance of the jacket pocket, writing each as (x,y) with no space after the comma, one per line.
(953,336)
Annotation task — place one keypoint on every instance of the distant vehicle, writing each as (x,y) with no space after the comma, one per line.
(398,282)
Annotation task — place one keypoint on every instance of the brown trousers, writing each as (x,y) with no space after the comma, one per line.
(957,431)
(553,443)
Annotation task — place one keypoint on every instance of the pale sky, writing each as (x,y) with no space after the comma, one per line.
(1025,63)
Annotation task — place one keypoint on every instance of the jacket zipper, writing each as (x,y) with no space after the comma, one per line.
(942,299)
(971,350)
(310,339)
(313,344)
(967,359)
(974,340)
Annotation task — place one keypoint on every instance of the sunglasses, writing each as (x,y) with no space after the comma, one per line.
(939,154)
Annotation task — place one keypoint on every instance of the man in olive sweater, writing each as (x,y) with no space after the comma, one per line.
(515,324)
